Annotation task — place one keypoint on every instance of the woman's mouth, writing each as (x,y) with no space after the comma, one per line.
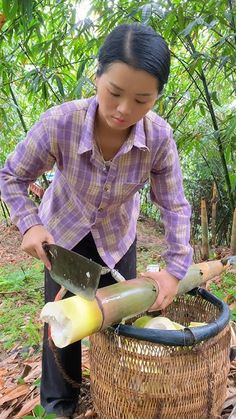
(119,120)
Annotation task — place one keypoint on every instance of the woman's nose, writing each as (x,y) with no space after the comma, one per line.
(124,108)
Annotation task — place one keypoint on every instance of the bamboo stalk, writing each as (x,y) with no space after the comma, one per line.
(5,210)
(213,215)
(126,299)
(74,318)
(233,236)
(204,224)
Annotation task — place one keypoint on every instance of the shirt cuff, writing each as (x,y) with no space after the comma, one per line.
(27,222)
(178,272)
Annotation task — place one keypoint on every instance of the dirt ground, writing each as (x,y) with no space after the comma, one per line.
(149,239)
(19,392)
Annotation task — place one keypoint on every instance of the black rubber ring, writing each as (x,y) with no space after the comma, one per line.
(187,336)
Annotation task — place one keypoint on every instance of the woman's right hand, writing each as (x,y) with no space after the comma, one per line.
(33,240)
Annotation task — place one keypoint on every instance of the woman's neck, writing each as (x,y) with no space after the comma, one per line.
(105,131)
(108,140)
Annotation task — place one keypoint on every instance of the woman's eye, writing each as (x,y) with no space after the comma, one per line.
(115,94)
(141,103)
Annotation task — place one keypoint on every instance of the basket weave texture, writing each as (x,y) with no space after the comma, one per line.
(134,379)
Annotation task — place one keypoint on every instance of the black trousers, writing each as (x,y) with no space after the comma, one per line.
(57,395)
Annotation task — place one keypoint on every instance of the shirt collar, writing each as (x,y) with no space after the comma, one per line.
(136,138)
(86,140)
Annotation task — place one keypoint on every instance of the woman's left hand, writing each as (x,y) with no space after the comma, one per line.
(167,285)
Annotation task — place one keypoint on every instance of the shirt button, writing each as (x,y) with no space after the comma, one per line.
(106,188)
(100,209)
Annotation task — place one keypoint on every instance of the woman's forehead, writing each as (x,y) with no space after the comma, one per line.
(122,76)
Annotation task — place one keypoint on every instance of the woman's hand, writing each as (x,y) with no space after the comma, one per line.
(167,285)
(33,240)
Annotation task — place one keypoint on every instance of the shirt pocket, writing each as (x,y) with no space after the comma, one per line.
(124,191)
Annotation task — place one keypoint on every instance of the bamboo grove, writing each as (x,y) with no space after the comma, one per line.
(48,55)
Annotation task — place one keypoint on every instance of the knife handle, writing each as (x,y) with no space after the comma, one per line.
(117,276)
(114,273)
(46,249)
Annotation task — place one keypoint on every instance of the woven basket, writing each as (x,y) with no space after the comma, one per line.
(136,379)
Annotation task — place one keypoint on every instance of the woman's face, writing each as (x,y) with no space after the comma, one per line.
(125,95)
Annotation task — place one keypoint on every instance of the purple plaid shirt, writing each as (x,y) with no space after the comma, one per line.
(84,196)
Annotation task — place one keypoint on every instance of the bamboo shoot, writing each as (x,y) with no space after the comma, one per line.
(74,318)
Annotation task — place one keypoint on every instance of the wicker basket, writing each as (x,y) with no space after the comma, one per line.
(134,378)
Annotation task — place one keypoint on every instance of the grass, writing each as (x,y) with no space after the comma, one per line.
(226,290)
(21,288)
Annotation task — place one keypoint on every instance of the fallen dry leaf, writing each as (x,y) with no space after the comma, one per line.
(28,406)
(233,414)
(14,393)
(233,305)
(233,333)
(6,413)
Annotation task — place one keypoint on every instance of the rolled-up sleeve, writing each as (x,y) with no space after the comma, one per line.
(167,192)
(31,158)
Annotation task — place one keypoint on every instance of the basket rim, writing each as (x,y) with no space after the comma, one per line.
(187,336)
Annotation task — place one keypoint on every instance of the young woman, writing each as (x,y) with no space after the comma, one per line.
(104,150)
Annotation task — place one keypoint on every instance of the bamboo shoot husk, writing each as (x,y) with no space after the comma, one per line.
(74,318)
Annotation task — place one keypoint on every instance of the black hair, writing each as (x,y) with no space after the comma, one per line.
(138,46)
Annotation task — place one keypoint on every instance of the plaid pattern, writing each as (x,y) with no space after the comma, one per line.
(84,197)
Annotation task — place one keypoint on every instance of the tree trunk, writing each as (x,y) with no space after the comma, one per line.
(233,236)
(204,224)
(213,215)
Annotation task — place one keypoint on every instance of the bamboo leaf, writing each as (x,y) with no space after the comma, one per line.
(196,64)
(227,154)
(27,8)
(10,8)
(202,109)
(59,85)
(44,91)
(4,115)
(223,61)
(187,31)
(146,13)
(231,128)
(232,177)
(212,24)
(80,70)
(181,17)
(215,98)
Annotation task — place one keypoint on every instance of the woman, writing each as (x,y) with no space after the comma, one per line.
(104,149)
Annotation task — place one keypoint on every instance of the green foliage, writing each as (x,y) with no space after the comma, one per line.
(226,290)
(39,413)
(48,55)
(147,208)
